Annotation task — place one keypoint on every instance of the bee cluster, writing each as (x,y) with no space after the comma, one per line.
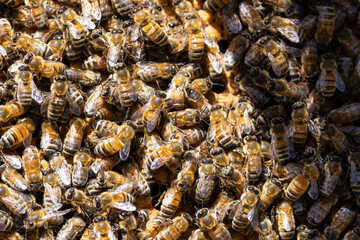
(179,119)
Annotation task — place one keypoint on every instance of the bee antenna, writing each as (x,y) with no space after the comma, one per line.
(6,75)
(206,122)
(218,84)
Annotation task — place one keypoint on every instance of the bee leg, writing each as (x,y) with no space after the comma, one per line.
(160,199)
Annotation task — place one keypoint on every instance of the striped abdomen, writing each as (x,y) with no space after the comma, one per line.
(214,5)
(123,7)
(39,16)
(300,134)
(328,85)
(155,33)
(72,143)
(254,168)
(196,46)
(168,208)
(296,188)
(281,150)
(24,96)
(325,25)
(56,107)
(108,147)
(281,61)
(14,136)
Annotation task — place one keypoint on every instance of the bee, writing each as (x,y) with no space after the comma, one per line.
(325,24)
(179,225)
(320,209)
(97,99)
(105,9)
(151,71)
(239,116)
(264,118)
(150,113)
(301,182)
(309,59)
(291,90)
(329,78)
(102,229)
(342,219)
(285,220)
(45,68)
(153,227)
(31,163)
(105,128)
(143,91)
(111,179)
(251,17)
(27,90)
(191,70)
(52,191)
(283,6)
(220,206)
(33,46)
(201,85)
(333,171)
(142,187)
(91,9)
(58,45)
(270,191)
(38,13)
(175,96)
(83,77)
(61,169)
(281,148)
(254,161)
(287,27)
(220,129)
(277,58)
(195,38)
(345,114)
(95,63)
(199,102)
(51,8)
(6,30)
(353,234)
(150,27)
(206,182)
(119,200)
(74,137)
(22,16)
(266,231)
(96,42)
(259,77)
(71,52)
(219,157)
(244,211)
(11,158)
(214,59)
(83,204)
(102,164)
(186,176)
(258,95)
(232,178)
(330,132)
(43,218)
(255,54)
(354,169)
(16,202)
(124,93)
(93,187)
(209,224)
(21,132)
(185,118)
(171,201)
(80,168)
(50,138)
(10,176)
(72,228)
(77,26)
(6,221)
(115,51)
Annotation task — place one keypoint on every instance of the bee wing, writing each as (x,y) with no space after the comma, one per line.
(135,33)
(35,92)
(322,77)
(232,208)
(211,133)
(56,214)
(216,61)
(44,106)
(272,149)
(14,68)
(354,174)
(253,217)
(89,10)
(294,168)
(73,106)
(64,173)
(296,52)
(113,54)
(73,30)
(182,45)
(139,113)
(340,85)
(286,221)
(27,140)
(2,51)
(87,23)
(46,140)
(13,160)
(313,128)
(289,31)
(124,187)
(132,93)
(20,86)
(153,120)
(275,67)
(290,146)
(125,150)
(313,190)
(248,125)
(231,20)
(290,130)
(55,197)
(159,162)
(124,206)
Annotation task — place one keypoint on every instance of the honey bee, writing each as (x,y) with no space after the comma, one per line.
(191,70)
(150,27)
(50,138)
(91,9)
(31,163)
(320,209)
(115,52)
(171,201)
(285,220)
(95,63)
(16,202)
(142,187)
(83,204)
(120,200)
(27,90)
(6,221)
(219,157)
(220,129)
(52,191)
(301,182)
(206,182)
(151,71)
(80,168)
(83,77)
(51,8)
(254,161)
(330,132)
(179,225)
(143,91)
(153,227)
(186,176)
(12,3)
(259,77)
(244,212)
(333,171)
(43,218)
(11,158)
(175,96)
(71,52)
(325,24)
(96,42)
(186,118)
(209,224)
(255,54)
(239,116)
(72,228)
(329,78)
(102,164)
(353,234)
(264,118)
(77,26)
(309,59)
(58,45)
(21,132)
(32,46)
(61,169)
(74,137)
(345,114)
(220,206)
(45,68)
(342,219)
(281,148)
(199,102)
(287,27)
(38,13)
(6,31)
(13,178)
(214,59)
(123,7)
(124,93)
(283,6)
(270,191)
(150,113)
(251,17)
(22,15)
(300,124)
(266,231)
(233,178)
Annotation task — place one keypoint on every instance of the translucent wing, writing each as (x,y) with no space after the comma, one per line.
(117,94)
(275,67)
(44,106)
(153,120)
(159,162)
(132,93)
(135,33)
(14,68)
(313,191)
(313,128)
(87,23)
(272,151)
(113,54)
(248,125)
(73,106)
(139,113)
(253,217)
(46,142)
(64,174)
(215,60)
(27,140)
(73,30)
(89,10)
(340,85)
(13,160)
(289,31)
(232,208)
(211,132)
(35,92)
(2,51)
(296,52)
(54,195)
(232,21)
(56,214)
(321,87)
(125,150)
(290,146)
(290,130)
(124,187)
(124,206)
(286,221)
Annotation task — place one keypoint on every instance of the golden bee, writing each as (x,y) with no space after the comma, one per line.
(74,137)
(180,225)
(285,220)
(125,92)
(103,164)
(186,176)
(220,206)
(175,96)
(281,148)
(38,13)
(84,77)
(117,199)
(333,170)
(239,117)
(151,71)
(251,17)
(80,168)
(13,178)
(30,45)
(270,191)
(233,179)
(287,27)
(72,228)
(27,90)
(19,133)
(83,203)
(61,169)
(309,58)
(50,138)
(342,219)
(320,209)
(253,158)
(45,68)
(43,217)
(31,164)
(264,118)
(325,24)
(18,203)
(266,231)
(171,201)
(208,223)
(52,193)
